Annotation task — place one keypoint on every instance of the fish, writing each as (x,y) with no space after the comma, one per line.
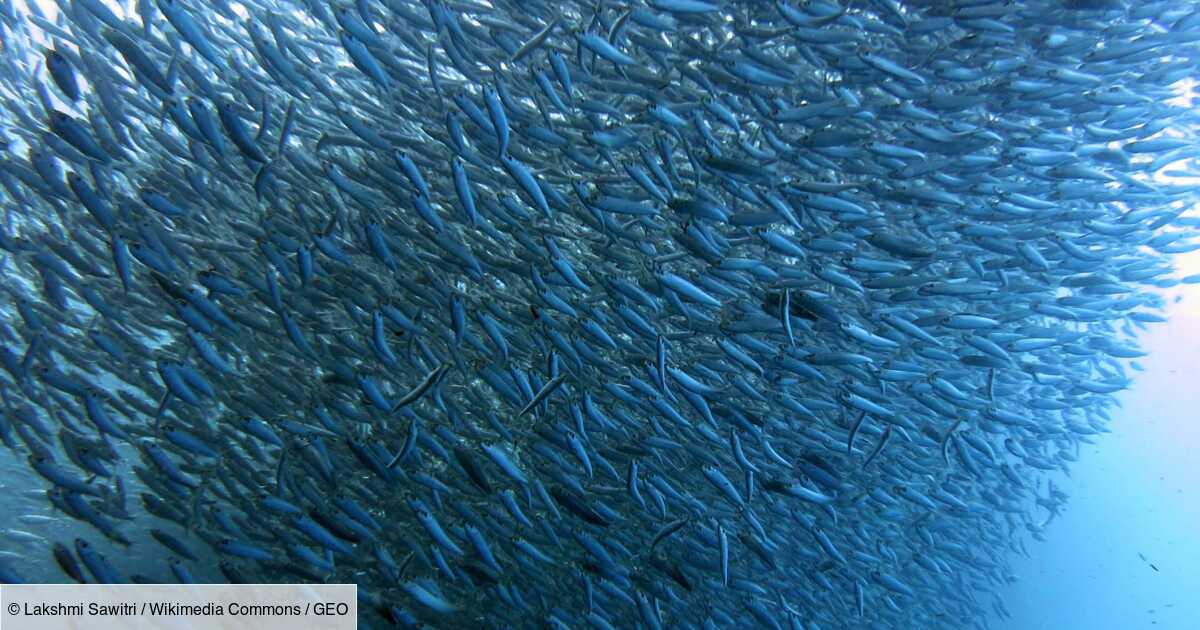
(21,536)
(682,313)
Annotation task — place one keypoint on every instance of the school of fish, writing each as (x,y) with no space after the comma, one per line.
(616,314)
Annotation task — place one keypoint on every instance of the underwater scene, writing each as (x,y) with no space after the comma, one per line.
(616,314)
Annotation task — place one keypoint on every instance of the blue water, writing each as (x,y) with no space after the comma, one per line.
(928,185)
(1137,491)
